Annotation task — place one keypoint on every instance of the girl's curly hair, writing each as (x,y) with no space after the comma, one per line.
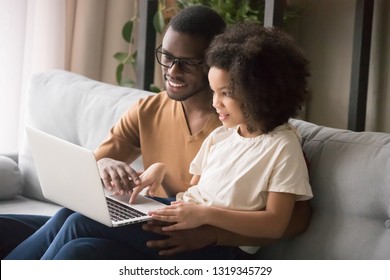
(268,73)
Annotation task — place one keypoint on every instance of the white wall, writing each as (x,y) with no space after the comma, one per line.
(12,30)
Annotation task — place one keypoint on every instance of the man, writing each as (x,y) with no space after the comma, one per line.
(170,127)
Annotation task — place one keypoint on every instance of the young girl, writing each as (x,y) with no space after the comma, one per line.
(248,173)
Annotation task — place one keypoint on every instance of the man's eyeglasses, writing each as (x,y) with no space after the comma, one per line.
(188,65)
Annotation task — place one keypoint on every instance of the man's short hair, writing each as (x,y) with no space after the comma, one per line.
(199,21)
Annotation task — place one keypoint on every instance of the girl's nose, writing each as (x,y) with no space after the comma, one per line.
(216,101)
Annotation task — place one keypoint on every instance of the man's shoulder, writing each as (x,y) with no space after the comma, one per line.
(158,99)
(156,106)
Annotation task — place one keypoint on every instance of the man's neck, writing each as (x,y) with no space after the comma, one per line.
(198,110)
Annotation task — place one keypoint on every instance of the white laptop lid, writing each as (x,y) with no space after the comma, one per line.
(69,176)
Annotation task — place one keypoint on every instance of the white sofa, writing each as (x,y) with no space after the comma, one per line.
(349,171)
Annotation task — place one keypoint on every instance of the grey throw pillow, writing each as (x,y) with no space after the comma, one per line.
(10,178)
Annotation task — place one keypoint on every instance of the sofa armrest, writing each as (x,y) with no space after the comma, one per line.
(13,156)
(11,180)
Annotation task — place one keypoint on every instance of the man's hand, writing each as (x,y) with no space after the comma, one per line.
(181,240)
(118,176)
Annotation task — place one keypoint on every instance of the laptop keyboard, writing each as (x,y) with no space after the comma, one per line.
(120,212)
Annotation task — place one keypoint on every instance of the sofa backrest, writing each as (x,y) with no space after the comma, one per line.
(350,177)
(74,108)
(349,171)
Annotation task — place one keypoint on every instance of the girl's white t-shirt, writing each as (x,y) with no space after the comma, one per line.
(238,172)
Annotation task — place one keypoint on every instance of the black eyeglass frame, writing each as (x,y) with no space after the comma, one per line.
(181,62)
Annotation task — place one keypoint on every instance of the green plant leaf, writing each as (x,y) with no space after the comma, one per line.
(118,73)
(127,31)
(134,60)
(125,58)
(120,56)
(131,59)
(159,22)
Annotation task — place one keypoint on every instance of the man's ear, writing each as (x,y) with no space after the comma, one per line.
(205,69)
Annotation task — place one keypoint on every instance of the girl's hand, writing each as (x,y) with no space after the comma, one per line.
(184,215)
(152,178)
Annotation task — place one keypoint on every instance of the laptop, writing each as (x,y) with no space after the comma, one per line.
(69,176)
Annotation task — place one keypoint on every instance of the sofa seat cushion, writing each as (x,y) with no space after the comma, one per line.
(24,205)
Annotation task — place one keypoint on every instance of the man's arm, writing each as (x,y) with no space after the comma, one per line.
(299,222)
(186,240)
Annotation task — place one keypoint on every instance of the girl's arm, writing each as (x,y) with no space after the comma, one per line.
(194,180)
(153,178)
(269,223)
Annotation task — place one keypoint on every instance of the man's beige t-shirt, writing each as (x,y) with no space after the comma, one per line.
(156,128)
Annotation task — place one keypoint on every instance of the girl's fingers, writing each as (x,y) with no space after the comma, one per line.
(162,218)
